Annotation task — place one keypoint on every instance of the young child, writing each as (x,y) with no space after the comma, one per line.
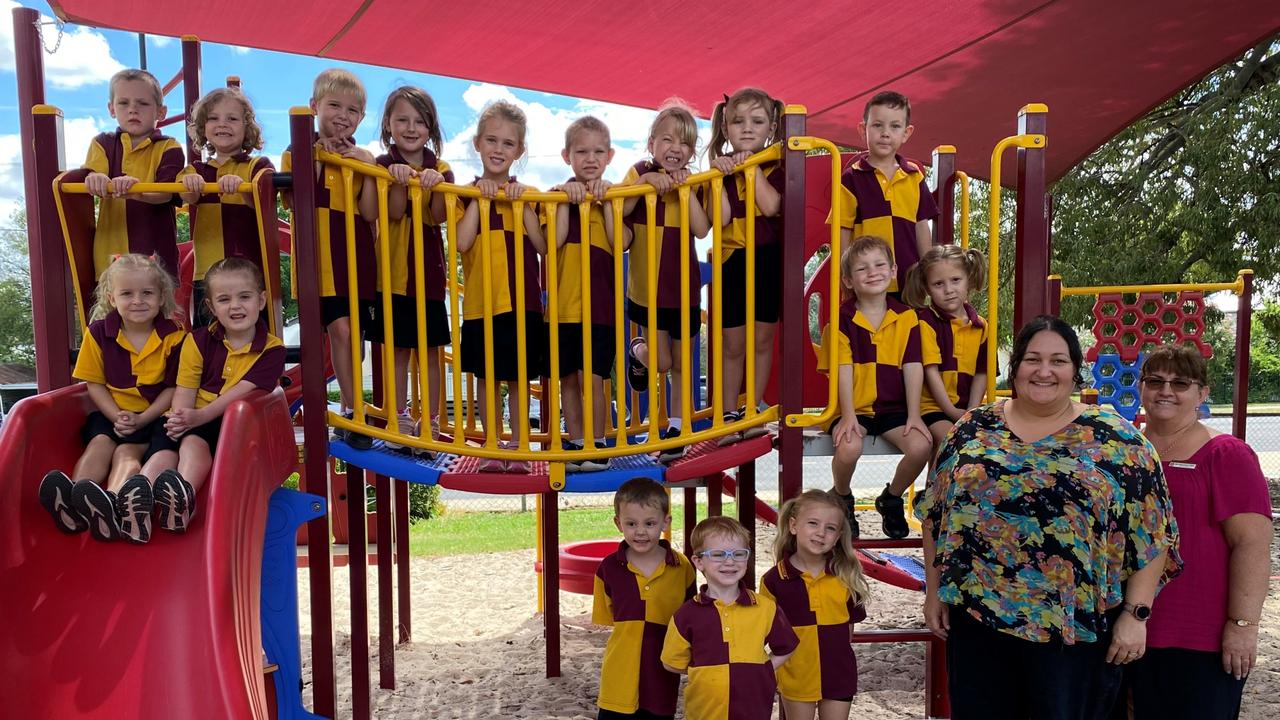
(587,150)
(673,138)
(411,133)
(818,584)
(637,590)
(223,224)
(884,194)
(880,376)
(729,639)
(338,99)
(953,337)
(499,141)
(221,363)
(136,152)
(748,120)
(129,363)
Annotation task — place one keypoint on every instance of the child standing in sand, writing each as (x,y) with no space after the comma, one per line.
(637,590)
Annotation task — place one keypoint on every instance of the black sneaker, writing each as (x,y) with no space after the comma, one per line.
(55,496)
(637,373)
(892,515)
(133,508)
(175,500)
(671,454)
(98,508)
(754,431)
(355,440)
(850,512)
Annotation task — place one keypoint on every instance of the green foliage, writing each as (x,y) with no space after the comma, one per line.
(17,334)
(1264,357)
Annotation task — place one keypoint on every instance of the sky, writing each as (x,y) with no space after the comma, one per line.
(77,75)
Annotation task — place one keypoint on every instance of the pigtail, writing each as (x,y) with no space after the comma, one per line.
(715,148)
(784,543)
(914,292)
(976,263)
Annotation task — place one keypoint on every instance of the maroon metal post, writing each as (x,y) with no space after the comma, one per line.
(937,704)
(1031,253)
(233,81)
(386,583)
(1244,328)
(745,496)
(551,581)
(690,517)
(715,506)
(403,583)
(357,572)
(1053,301)
(944,184)
(314,405)
(794,313)
(190,87)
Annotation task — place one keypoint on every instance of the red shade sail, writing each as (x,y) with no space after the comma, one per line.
(966,65)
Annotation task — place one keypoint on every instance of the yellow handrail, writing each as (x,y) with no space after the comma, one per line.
(1236,287)
(964,208)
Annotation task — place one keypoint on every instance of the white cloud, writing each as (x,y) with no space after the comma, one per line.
(77,134)
(240,50)
(83,56)
(160,40)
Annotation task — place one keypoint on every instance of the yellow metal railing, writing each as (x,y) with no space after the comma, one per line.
(1236,286)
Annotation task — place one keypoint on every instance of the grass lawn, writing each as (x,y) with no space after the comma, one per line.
(481,532)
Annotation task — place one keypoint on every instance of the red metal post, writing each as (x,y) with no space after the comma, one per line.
(944,184)
(794,318)
(745,496)
(1053,301)
(357,572)
(190,88)
(314,405)
(1244,328)
(386,583)
(715,506)
(690,517)
(403,582)
(551,581)
(1032,227)
(937,703)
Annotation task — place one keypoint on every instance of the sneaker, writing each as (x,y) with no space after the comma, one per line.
(596,464)
(850,514)
(435,435)
(892,515)
(637,373)
(98,507)
(755,430)
(405,426)
(355,440)
(55,496)
(522,467)
(175,500)
(736,435)
(574,465)
(671,454)
(133,508)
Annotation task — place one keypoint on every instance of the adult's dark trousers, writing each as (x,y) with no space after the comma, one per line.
(1180,684)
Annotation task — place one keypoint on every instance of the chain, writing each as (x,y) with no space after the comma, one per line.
(57,43)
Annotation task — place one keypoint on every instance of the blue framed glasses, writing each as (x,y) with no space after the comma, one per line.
(720,556)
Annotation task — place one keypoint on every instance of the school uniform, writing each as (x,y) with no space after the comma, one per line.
(639,607)
(569,291)
(959,348)
(404,252)
(666,248)
(878,356)
(127,224)
(888,207)
(733,256)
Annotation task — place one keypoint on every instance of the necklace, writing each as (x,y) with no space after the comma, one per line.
(1171,441)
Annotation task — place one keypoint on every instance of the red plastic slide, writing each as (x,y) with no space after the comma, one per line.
(114,630)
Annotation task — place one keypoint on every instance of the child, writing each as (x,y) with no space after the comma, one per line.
(129,363)
(720,636)
(338,99)
(411,133)
(672,140)
(884,194)
(880,376)
(136,152)
(748,120)
(818,584)
(587,150)
(637,590)
(221,363)
(223,224)
(953,338)
(499,141)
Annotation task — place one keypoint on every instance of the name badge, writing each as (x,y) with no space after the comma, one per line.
(1183,465)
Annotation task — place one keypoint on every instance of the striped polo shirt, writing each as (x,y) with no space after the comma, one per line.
(404,253)
(129,225)
(638,607)
(958,346)
(667,249)
(226,225)
(135,376)
(332,205)
(724,649)
(886,207)
(876,354)
(820,611)
(768,229)
(209,363)
(569,266)
(502,271)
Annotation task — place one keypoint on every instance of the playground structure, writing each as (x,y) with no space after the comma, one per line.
(464,444)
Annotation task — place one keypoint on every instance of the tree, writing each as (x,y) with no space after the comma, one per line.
(17,335)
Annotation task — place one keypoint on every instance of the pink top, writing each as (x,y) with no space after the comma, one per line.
(1221,479)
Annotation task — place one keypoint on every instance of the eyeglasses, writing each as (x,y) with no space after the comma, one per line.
(1178,384)
(725,555)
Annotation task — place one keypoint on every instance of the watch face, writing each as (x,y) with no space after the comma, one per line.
(1142,612)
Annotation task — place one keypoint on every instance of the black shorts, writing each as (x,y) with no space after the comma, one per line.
(933,417)
(207,432)
(404,322)
(152,435)
(637,715)
(768,295)
(336,307)
(602,349)
(668,319)
(506,346)
(876,425)
(1182,683)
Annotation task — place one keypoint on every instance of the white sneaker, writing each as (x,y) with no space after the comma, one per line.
(405,426)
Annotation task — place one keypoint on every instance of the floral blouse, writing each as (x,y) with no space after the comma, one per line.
(1035,539)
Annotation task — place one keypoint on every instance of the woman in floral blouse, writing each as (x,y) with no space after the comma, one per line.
(1050,530)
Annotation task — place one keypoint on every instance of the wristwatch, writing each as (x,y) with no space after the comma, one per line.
(1242,623)
(1139,611)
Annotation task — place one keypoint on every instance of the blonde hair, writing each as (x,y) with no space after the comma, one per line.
(200,118)
(420,101)
(916,290)
(731,106)
(857,246)
(586,123)
(718,526)
(503,110)
(136,74)
(337,80)
(102,306)
(674,108)
(843,561)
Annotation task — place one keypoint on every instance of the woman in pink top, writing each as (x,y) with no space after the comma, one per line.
(1202,637)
